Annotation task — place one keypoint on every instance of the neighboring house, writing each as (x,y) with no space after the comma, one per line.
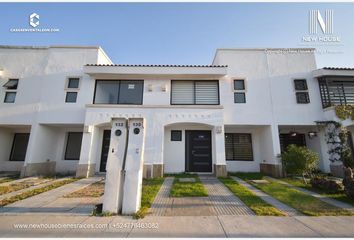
(237,114)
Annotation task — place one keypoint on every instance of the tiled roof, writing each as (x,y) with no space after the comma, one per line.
(338,68)
(152,65)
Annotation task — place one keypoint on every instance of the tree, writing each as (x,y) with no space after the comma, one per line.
(299,160)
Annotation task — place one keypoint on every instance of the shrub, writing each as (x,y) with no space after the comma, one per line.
(329,186)
(299,160)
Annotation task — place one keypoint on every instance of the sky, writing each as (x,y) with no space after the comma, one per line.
(179,33)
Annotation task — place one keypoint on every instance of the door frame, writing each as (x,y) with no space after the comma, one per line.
(186,136)
(101,155)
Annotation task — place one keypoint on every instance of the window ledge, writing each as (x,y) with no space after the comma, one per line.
(153,106)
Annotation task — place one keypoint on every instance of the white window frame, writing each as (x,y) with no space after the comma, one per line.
(67,89)
(244,91)
(301,91)
(11,90)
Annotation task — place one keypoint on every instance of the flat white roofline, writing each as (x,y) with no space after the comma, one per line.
(47,47)
(98,71)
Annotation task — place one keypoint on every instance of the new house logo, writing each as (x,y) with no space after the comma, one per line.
(321,27)
(34,20)
(316,21)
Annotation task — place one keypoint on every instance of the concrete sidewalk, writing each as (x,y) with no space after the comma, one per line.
(51,202)
(178,226)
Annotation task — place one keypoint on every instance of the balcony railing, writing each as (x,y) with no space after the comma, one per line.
(336,90)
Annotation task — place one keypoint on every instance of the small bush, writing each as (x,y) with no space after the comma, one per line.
(299,160)
(329,186)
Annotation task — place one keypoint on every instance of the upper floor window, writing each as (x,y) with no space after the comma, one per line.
(11,90)
(194,92)
(72,88)
(239,91)
(73,83)
(119,92)
(302,94)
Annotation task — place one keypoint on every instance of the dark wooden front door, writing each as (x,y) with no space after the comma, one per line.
(105,148)
(198,151)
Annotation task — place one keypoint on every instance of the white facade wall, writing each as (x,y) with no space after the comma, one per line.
(270,105)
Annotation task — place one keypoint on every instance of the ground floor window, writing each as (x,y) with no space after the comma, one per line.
(19,147)
(73,146)
(238,147)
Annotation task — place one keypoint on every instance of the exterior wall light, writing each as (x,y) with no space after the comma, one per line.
(150,87)
(1,72)
(164,88)
(293,134)
(312,134)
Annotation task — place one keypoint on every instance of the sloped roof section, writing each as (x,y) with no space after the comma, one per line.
(338,68)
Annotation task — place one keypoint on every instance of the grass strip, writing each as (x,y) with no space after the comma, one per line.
(340,196)
(258,205)
(302,202)
(8,179)
(93,190)
(34,192)
(149,191)
(188,189)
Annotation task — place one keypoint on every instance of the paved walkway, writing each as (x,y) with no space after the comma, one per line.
(267,198)
(51,202)
(223,200)
(219,202)
(176,226)
(325,199)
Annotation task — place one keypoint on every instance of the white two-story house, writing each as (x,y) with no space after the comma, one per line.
(237,114)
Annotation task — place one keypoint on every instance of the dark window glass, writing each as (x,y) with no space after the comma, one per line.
(131,92)
(19,147)
(73,146)
(73,82)
(11,84)
(107,92)
(240,97)
(239,85)
(119,92)
(71,97)
(10,97)
(238,147)
(302,97)
(176,135)
(300,84)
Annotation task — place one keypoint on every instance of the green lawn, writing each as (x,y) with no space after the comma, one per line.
(260,207)
(248,175)
(337,196)
(302,202)
(150,189)
(187,189)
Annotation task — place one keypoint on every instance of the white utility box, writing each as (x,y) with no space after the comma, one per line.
(113,192)
(134,166)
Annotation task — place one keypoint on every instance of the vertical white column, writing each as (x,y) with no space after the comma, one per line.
(86,166)
(219,145)
(134,166)
(112,201)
